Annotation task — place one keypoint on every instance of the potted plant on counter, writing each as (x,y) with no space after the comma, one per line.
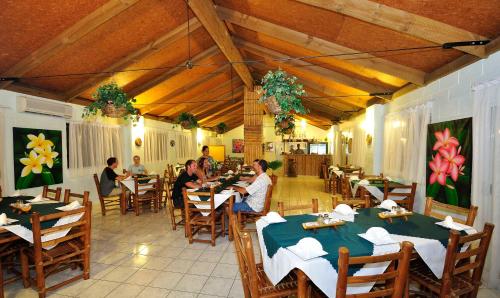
(281,93)
(221,128)
(274,165)
(112,102)
(187,120)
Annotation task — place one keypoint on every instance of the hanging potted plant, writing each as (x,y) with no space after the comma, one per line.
(274,165)
(187,120)
(112,102)
(221,128)
(284,124)
(281,93)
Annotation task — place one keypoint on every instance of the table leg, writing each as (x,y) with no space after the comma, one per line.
(301,284)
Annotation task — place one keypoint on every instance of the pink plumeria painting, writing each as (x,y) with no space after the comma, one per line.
(449,161)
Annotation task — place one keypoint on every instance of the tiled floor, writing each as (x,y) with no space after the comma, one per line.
(140,256)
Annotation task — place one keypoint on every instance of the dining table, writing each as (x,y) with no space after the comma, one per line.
(279,259)
(376,187)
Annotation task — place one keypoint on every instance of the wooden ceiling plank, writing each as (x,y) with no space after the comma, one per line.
(224,100)
(221,118)
(402,21)
(205,11)
(320,45)
(162,42)
(221,111)
(174,71)
(68,37)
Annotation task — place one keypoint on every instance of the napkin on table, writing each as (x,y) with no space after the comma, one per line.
(38,198)
(273,217)
(230,172)
(307,248)
(16,193)
(378,236)
(3,219)
(364,182)
(344,209)
(450,224)
(71,206)
(388,204)
(353,177)
(388,178)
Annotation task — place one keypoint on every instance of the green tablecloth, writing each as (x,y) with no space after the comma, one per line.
(291,232)
(24,218)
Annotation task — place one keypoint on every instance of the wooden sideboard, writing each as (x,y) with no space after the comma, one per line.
(306,164)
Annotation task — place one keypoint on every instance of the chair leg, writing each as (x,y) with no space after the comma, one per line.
(223,224)
(103,208)
(136,206)
(212,231)
(40,280)
(25,270)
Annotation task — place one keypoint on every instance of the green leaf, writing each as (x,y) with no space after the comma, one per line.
(451,193)
(433,189)
(47,178)
(25,182)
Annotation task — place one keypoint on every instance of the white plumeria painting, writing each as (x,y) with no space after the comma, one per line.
(37,157)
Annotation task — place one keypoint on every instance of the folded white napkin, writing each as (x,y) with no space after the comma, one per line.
(334,168)
(388,204)
(352,167)
(273,217)
(16,193)
(251,173)
(38,198)
(230,172)
(364,182)
(353,177)
(378,236)
(344,209)
(3,219)
(388,178)
(308,248)
(450,224)
(71,206)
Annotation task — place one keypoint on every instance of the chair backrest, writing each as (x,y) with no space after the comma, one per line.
(98,186)
(78,229)
(82,198)
(474,258)
(405,199)
(193,207)
(269,197)
(395,276)
(324,169)
(441,210)
(147,186)
(53,194)
(362,202)
(313,207)
(246,260)
(345,186)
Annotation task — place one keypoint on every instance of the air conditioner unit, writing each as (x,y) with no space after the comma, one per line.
(40,106)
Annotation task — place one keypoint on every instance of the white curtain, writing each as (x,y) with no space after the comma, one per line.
(90,145)
(156,143)
(184,146)
(359,147)
(405,138)
(485,170)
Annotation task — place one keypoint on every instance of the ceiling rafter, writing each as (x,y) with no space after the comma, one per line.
(205,11)
(68,37)
(225,99)
(154,46)
(221,111)
(402,21)
(224,117)
(322,46)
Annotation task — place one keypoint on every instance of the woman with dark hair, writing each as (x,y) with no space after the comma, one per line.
(202,171)
(211,162)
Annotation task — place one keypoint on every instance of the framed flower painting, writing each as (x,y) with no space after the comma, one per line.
(238,146)
(449,162)
(37,157)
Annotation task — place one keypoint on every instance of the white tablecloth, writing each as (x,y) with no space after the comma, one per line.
(376,192)
(129,183)
(219,199)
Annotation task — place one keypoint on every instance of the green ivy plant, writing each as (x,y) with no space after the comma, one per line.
(111,93)
(187,120)
(275,164)
(284,123)
(221,128)
(285,89)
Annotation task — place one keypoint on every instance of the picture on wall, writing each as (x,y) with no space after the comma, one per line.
(37,157)
(238,146)
(269,146)
(449,162)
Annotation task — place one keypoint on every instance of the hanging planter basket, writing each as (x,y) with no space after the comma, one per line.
(273,105)
(110,110)
(285,123)
(186,124)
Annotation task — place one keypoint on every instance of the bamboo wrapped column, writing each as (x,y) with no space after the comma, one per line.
(253,134)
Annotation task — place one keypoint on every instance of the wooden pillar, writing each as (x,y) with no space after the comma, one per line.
(253,117)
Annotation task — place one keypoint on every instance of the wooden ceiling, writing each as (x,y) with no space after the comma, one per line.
(65,49)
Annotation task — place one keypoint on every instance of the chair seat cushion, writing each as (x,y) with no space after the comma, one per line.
(286,287)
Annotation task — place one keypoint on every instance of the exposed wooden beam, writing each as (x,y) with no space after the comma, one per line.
(224,110)
(224,100)
(322,46)
(205,11)
(174,71)
(402,21)
(224,117)
(154,46)
(68,37)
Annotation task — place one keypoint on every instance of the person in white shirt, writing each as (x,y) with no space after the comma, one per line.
(256,191)
(137,168)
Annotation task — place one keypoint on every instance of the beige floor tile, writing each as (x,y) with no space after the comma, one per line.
(217,286)
(126,291)
(166,280)
(172,252)
(208,296)
(179,265)
(75,288)
(229,258)
(113,258)
(100,288)
(153,250)
(202,268)
(211,256)
(150,292)
(143,277)
(225,270)
(237,290)
(119,274)
(488,293)
(191,283)
(179,294)
(136,261)
(98,270)
(190,254)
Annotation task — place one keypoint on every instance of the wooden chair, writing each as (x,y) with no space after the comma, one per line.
(395,276)
(70,250)
(313,206)
(10,248)
(245,217)
(459,278)
(326,178)
(345,187)
(69,197)
(404,199)
(362,202)
(108,201)
(146,189)
(53,194)
(433,207)
(175,219)
(195,220)
(254,279)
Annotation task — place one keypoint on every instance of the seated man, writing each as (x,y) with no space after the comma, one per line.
(137,168)
(251,179)
(256,191)
(188,179)
(108,178)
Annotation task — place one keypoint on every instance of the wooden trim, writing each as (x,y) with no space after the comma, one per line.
(154,46)
(68,37)
(322,46)
(221,111)
(205,11)
(402,21)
